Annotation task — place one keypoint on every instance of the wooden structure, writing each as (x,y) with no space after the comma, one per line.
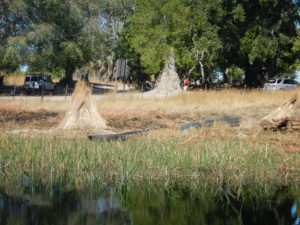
(287,116)
(293,123)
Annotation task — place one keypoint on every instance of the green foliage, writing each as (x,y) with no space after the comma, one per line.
(236,73)
(60,35)
(257,36)
(158,26)
(262,39)
(12,22)
(147,36)
(296,50)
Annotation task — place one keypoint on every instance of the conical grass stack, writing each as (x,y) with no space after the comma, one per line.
(83,113)
(168,82)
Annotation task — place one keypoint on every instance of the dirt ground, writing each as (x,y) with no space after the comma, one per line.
(20,119)
(162,117)
(119,120)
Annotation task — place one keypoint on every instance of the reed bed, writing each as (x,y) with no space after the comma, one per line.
(221,159)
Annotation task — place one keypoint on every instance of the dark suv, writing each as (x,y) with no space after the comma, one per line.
(38,82)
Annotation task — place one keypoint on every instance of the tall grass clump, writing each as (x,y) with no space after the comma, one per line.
(79,163)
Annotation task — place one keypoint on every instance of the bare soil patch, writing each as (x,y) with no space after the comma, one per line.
(25,119)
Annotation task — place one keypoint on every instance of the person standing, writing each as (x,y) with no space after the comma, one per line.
(186,83)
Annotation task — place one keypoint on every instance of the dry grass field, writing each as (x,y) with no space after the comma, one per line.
(162,117)
(234,156)
(156,114)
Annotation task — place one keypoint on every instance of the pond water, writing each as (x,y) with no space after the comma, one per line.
(146,207)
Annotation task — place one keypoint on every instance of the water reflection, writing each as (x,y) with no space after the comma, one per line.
(295,214)
(147,207)
(64,208)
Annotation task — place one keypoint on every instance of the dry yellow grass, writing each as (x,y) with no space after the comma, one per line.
(202,100)
(18,79)
(162,115)
(250,105)
(207,102)
(14,79)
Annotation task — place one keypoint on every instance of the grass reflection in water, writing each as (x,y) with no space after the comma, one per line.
(147,206)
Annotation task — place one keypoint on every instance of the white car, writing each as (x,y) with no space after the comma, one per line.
(38,82)
(280,84)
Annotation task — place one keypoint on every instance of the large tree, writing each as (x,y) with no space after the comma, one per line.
(252,36)
(296,50)
(64,34)
(258,36)
(13,21)
(158,25)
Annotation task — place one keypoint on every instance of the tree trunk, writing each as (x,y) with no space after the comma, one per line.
(253,75)
(271,72)
(85,77)
(225,75)
(190,71)
(201,66)
(69,70)
(1,79)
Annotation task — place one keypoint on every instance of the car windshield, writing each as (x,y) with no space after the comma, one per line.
(34,78)
(271,81)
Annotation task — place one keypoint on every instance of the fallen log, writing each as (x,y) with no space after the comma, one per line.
(231,121)
(121,136)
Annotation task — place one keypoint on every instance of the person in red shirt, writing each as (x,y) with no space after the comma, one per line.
(185,83)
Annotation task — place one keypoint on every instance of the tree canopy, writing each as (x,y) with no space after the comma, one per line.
(12,23)
(158,25)
(264,39)
(256,38)
(56,34)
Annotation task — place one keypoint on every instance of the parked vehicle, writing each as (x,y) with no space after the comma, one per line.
(280,84)
(38,82)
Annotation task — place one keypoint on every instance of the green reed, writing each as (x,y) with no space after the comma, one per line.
(80,163)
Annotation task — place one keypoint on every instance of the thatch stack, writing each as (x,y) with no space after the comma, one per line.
(287,116)
(83,113)
(168,82)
